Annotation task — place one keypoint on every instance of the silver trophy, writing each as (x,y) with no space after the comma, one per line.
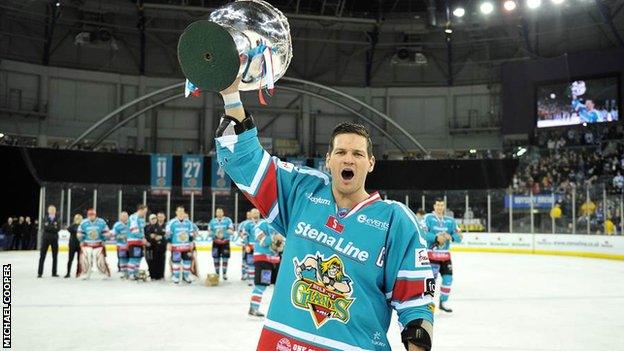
(249,39)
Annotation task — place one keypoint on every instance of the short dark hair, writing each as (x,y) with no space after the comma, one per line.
(438,199)
(352,128)
(182,207)
(141,207)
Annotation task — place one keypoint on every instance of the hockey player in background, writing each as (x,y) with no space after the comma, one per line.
(370,251)
(250,244)
(136,241)
(221,229)
(243,235)
(180,233)
(441,230)
(92,233)
(121,231)
(268,245)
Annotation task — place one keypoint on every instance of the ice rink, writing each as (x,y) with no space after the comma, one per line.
(501,302)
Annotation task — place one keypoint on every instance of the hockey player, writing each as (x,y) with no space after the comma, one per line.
(92,233)
(121,231)
(250,245)
(244,234)
(220,229)
(586,111)
(180,233)
(269,243)
(374,245)
(136,241)
(441,230)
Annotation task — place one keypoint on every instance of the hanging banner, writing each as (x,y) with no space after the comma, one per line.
(192,174)
(161,173)
(220,182)
(319,163)
(539,201)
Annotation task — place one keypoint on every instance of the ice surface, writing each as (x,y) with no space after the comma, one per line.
(501,302)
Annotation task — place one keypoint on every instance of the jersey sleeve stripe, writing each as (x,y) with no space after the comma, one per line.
(266,196)
(405,290)
(423,301)
(264,163)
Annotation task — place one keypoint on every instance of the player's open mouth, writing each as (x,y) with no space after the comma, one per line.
(347,174)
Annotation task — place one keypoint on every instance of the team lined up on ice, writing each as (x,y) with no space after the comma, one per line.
(180,233)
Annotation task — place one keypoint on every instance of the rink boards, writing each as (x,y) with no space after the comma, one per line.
(597,246)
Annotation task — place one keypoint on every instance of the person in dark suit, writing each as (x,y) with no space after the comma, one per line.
(29,231)
(18,233)
(51,227)
(74,245)
(7,229)
(157,248)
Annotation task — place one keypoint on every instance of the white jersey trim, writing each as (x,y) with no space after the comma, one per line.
(425,273)
(425,300)
(228,141)
(273,213)
(311,337)
(371,199)
(251,189)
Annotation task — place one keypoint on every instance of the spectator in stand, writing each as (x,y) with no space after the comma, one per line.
(609,227)
(555,214)
(618,182)
(588,208)
(7,229)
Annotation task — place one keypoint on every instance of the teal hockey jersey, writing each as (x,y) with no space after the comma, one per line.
(180,233)
(218,229)
(340,276)
(121,231)
(435,225)
(94,232)
(137,230)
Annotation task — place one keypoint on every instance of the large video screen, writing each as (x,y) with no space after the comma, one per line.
(582,101)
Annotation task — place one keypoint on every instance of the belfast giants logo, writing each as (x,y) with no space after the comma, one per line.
(322,288)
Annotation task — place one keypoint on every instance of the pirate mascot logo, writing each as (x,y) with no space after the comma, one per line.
(322,288)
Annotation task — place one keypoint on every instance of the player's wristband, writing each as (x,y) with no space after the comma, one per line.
(418,332)
(239,127)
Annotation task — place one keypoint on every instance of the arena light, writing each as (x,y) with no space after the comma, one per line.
(486,8)
(521,152)
(448,31)
(459,12)
(1,135)
(533,4)
(473,151)
(510,5)
(557,2)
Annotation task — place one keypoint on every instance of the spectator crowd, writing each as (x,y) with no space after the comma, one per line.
(19,233)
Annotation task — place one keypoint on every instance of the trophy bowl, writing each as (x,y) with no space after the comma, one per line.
(247,38)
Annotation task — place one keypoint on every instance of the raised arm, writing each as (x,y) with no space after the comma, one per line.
(266,181)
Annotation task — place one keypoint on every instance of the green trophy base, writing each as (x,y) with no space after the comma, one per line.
(208,56)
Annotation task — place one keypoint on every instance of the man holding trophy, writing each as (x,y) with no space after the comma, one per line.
(366,251)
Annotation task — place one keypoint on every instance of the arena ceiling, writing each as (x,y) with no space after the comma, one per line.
(337,42)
